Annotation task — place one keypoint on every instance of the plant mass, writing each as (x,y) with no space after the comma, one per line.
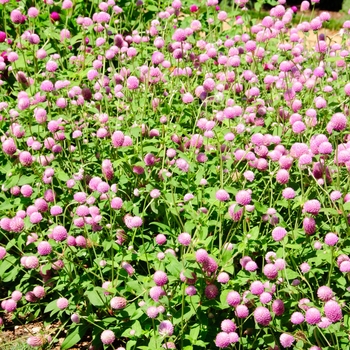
(174,176)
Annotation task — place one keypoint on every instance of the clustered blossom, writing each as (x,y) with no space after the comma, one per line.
(171,165)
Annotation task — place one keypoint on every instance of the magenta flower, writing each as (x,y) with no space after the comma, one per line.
(262,315)
(62,303)
(107,337)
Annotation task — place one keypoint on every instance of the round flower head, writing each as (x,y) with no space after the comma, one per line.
(325,293)
(39,291)
(152,312)
(35,341)
(262,315)
(222,340)
(338,121)
(222,195)
(156,292)
(184,239)
(335,195)
(312,206)
(201,256)
(59,233)
(312,316)
(62,303)
(251,266)
(228,326)
(243,197)
(2,252)
(257,288)
(305,267)
(44,248)
(223,277)
(25,158)
(278,307)
(211,291)
(9,146)
(46,86)
(309,226)
(333,311)
(278,233)
(191,290)
(282,176)
(75,318)
(242,311)
(331,239)
(166,329)
(286,340)
(233,298)
(160,239)
(235,212)
(344,266)
(16,224)
(265,297)
(160,278)
(16,295)
(118,139)
(132,83)
(297,318)
(118,303)
(107,337)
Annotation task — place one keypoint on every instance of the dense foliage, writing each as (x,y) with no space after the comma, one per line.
(174,175)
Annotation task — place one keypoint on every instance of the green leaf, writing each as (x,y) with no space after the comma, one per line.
(346,206)
(62,176)
(74,337)
(96,298)
(152,8)
(291,275)
(173,266)
(130,344)
(51,306)
(26,180)
(6,206)
(194,331)
(12,181)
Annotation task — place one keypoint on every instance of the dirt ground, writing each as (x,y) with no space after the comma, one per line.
(15,336)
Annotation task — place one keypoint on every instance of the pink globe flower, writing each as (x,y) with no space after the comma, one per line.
(325,293)
(59,233)
(160,278)
(333,311)
(331,239)
(35,341)
(62,303)
(278,307)
(222,340)
(242,311)
(243,197)
(166,328)
(228,326)
(262,315)
(286,340)
(312,316)
(312,206)
(107,337)
(118,303)
(184,239)
(278,233)
(222,195)
(211,291)
(44,248)
(233,298)
(297,318)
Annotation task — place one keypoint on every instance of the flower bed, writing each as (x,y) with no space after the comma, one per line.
(170,184)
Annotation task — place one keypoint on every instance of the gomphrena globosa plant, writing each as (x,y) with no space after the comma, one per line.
(174,176)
